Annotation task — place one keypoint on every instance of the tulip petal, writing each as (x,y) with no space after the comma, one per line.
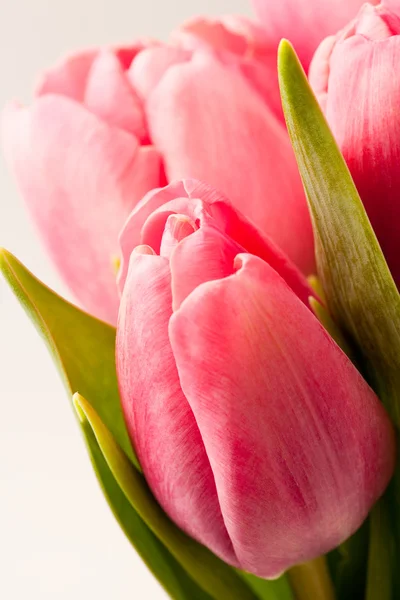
(198,200)
(253,54)
(305,23)
(210,124)
(202,32)
(80,179)
(251,239)
(298,453)
(158,417)
(150,65)
(203,256)
(233,34)
(369,140)
(68,78)
(173,198)
(109,95)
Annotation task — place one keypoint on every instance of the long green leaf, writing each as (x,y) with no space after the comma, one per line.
(159,560)
(83,347)
(360,291)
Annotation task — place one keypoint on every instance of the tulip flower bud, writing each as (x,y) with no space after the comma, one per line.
(355,78)
(109,125)
(255,432)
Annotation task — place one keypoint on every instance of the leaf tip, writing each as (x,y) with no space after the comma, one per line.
(284,47)
(78,402)
(289,67)
(5,257)
(286,53)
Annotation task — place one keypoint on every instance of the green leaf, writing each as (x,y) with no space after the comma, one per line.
(361,294)
(217,578)
(83,347)
(159,560)
(381,560)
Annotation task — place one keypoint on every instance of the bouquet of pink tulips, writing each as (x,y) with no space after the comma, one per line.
(227,216)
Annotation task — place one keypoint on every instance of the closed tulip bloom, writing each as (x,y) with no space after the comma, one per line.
(305,23)
(355,77)
(255,432)
(107,126)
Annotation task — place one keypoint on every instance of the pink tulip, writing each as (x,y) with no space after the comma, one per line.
(355,77)
(255,432)
(304,22)
(107,126)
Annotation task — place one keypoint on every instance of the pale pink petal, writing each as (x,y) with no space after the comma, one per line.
(263,76)
(392,5)
(150,65)
(252,53)
(299,445)
(159,419)
(210,124)
(200,32)
(177,228)
(320,68)
(305,23)
(80,179)
(68,78)
(131,234)
(231,33)
(110,96)
(205,255)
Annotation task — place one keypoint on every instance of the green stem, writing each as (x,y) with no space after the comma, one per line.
(312,581)
(380,558)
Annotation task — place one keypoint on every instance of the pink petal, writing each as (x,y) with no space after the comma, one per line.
(211,125)
(131,234)
(231,33)
(173,198)
(236,226)
(110,96)
(150,65)
(200,32)
(159,419)
(320,68)
(203,256)
(197,200)
(363,111)
(263,77)
(68,77)
(177,228)
(252,53)
(290,427)
(305,23)
(392,5)
(80,179)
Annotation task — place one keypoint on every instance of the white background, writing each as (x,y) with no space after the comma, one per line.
(58,538)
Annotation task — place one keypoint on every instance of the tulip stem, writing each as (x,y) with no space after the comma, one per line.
(312,580)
